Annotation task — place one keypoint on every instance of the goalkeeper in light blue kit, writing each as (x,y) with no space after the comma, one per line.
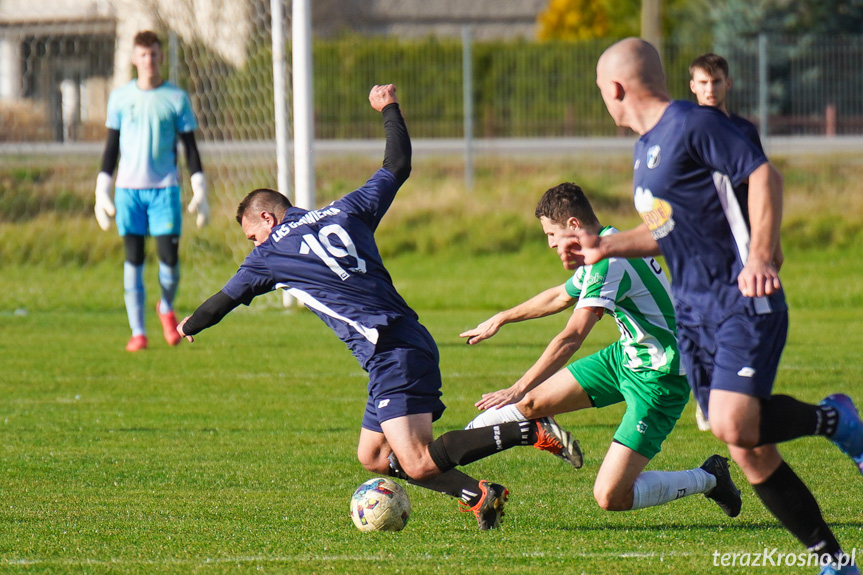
(146,117)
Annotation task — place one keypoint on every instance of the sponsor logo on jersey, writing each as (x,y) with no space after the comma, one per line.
(383,403)
(641,427)
(746,372)
(656,213)
(593,279)
(653,154)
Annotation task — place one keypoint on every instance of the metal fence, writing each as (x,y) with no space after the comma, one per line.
(518,89)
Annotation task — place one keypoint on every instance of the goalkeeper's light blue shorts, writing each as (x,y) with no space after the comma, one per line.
(149,212)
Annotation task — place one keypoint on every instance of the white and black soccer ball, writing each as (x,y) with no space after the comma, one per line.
(380,504)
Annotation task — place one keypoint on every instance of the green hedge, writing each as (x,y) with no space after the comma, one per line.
(521,88)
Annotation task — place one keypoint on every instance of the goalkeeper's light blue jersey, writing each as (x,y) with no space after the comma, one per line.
(149,122)
(685,174)
(328,259)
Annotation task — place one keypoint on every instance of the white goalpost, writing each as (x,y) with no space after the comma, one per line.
(304,130)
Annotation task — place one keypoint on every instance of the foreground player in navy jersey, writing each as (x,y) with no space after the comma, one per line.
(328,259)
(731,314)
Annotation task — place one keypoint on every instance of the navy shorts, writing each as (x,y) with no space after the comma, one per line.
(404,375)
(740,354)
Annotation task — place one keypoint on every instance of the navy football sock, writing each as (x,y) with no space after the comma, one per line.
(791,502)
(784,418)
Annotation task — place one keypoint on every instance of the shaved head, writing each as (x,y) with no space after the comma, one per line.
(632,83)
(634,63)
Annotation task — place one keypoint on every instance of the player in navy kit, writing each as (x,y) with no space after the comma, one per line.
(328,259)
(710,81)
(730,308)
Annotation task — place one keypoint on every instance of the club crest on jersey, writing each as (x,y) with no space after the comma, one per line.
(656,213)
(653,153)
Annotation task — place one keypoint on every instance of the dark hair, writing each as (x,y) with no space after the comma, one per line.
(263,200)
(146,39)
(710,63)
(566,201)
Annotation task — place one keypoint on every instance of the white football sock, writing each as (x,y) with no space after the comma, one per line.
(506,414)
(658,487)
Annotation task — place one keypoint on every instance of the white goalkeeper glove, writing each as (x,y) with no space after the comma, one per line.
(199,204)
(104,207)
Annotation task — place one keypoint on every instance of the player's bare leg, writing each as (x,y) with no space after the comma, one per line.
(613,488)
(623,485)
(409,438)
(560,393)
(735,420)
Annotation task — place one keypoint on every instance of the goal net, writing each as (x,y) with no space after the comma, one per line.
(59,61)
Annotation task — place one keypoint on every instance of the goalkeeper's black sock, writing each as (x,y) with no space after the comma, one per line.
(453,482)
(791,502)
(784,418)
(464,446)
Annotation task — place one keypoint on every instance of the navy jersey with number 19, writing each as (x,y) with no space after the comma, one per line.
(328,259)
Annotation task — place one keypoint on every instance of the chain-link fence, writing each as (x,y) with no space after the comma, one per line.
(54,84)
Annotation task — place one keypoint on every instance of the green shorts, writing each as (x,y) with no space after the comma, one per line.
(654,401)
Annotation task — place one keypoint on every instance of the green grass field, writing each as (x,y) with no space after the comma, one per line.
(237,453)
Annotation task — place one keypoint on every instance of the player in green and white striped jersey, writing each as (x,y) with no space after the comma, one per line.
(642,368)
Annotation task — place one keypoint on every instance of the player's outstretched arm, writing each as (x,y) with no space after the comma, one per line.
(549,302)
(584,248)
(555,356)
(397,155)
(208,314)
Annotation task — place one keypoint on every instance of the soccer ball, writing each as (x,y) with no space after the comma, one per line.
(380,504)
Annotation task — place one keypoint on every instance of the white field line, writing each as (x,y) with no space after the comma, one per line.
(327,558)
